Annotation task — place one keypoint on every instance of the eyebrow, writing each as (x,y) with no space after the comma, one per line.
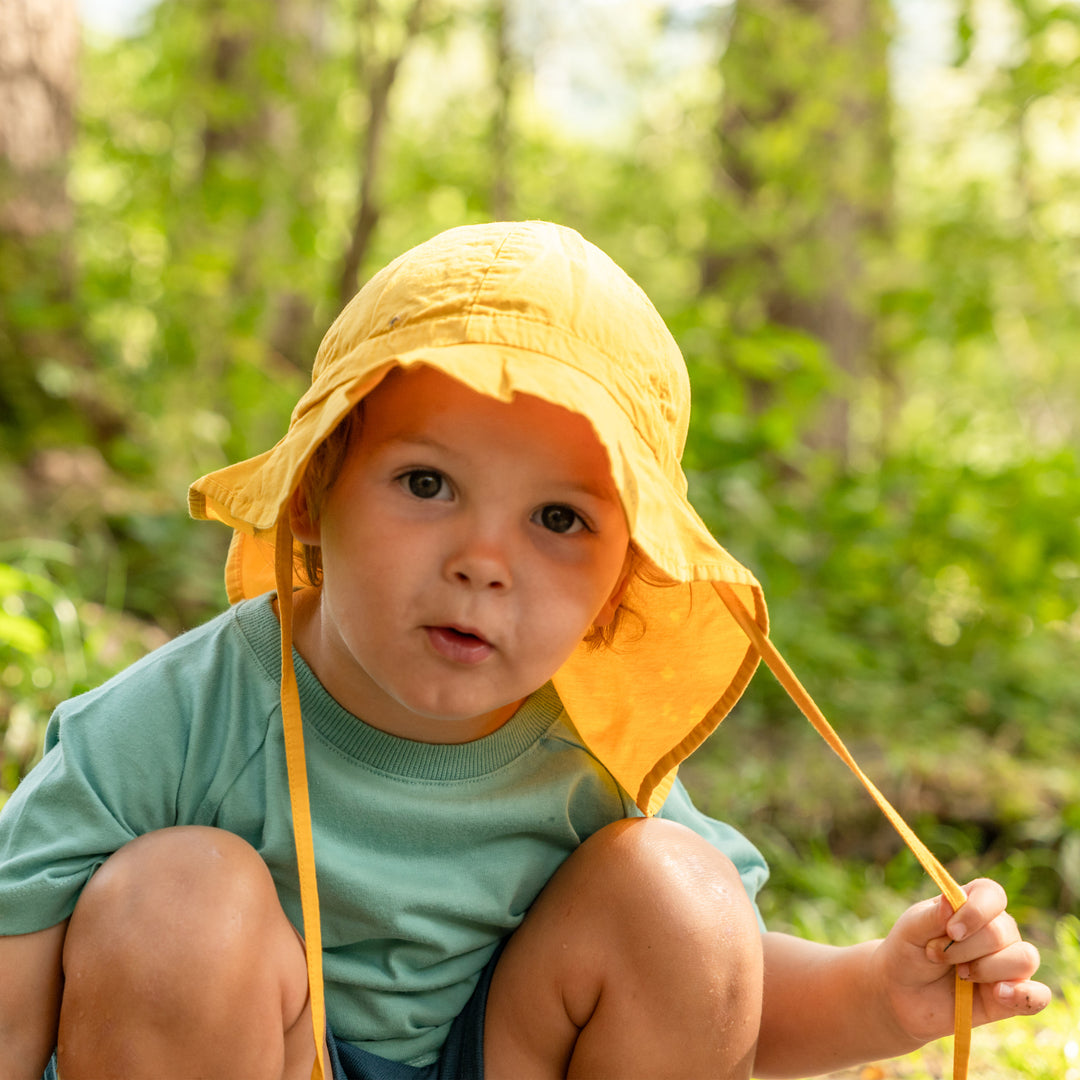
(424,442)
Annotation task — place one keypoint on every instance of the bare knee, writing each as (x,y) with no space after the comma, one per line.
(170,897)
(653,871)
(177,931)
(650,952)
(661,894)
(672,862)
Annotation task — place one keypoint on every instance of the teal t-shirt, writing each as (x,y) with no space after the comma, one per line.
(427,854)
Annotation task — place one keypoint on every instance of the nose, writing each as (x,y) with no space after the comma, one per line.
(480,559)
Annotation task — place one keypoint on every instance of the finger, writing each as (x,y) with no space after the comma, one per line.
(925,921)
(1013,963)
(1023,998)
(995,936)
(986,900)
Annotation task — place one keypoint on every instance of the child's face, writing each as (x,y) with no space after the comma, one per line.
(467,547)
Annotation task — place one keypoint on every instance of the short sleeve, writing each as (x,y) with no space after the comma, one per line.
(157,745)
(87,797)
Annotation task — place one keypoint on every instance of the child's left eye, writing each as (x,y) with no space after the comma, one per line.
(560,519)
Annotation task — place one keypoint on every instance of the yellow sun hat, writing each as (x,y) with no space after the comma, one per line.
(533,308)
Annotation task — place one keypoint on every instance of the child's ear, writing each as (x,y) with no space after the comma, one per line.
(304,527)
(607,612)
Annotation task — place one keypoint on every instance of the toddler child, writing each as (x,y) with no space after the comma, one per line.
(408,809)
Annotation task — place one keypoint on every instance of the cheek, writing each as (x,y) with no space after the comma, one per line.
(610,571)
(356,537)
(570,609)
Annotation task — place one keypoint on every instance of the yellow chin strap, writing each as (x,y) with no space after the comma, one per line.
(942,878)
(296,764)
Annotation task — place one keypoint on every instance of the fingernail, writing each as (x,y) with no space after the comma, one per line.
(957,931)
(964,971)
(1006,992)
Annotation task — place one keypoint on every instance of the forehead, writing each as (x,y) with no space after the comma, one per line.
(422,404)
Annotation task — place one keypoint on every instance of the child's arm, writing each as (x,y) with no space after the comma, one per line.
(826,1008)
(30,987)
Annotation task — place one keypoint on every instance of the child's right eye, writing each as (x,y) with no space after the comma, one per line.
(425,483)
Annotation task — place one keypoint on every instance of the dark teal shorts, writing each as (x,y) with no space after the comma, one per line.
(462,1056)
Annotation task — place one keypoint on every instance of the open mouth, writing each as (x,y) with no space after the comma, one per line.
(462,646)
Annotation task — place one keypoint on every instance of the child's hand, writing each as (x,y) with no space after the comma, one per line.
(982,943)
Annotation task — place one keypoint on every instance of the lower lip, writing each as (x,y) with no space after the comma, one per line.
(460,648)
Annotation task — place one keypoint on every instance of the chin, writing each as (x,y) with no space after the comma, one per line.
(451,718)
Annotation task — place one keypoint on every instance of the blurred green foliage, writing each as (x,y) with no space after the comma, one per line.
(912,505)
(54,643)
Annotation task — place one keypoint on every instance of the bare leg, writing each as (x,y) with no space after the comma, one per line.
(641,958)
(179,962)
(30,986)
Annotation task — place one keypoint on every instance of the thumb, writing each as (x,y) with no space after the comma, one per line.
(925,922)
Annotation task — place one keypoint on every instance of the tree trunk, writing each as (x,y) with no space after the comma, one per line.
(46,377)
(805,168)
(39,45)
